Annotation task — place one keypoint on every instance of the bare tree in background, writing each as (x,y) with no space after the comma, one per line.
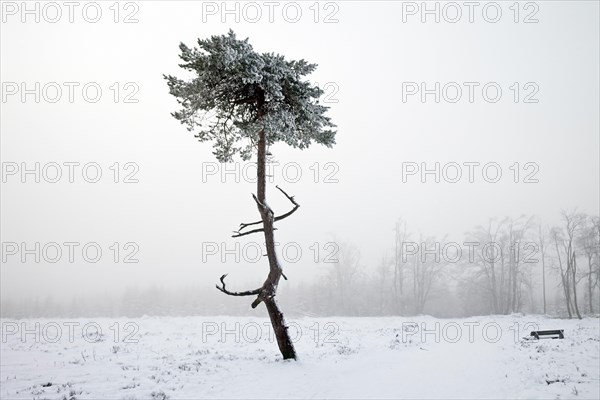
(565,275)
(486,263)
(542,246)
(382,284)
(427,265)
(400,237)
(500,264)
(516,233)
(589,242)
(564,240)
(343,275)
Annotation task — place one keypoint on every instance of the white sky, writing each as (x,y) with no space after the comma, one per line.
(366,55)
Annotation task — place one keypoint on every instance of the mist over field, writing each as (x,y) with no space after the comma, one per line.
(176,178)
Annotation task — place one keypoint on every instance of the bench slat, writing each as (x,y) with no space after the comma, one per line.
(554,334)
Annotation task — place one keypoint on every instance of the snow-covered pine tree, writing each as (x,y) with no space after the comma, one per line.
(244,101)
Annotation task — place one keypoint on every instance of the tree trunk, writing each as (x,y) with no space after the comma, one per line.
(590,286)
(543,267)
(267,292)
(574,271)
(270,286)
(399,268)
(494,288)
(564,278)
(286,347)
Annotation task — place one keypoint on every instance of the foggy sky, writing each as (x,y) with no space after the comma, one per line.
(365,56)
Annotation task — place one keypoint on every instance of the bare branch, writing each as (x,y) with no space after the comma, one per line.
(261,205)
(244,225)
(245,293)
(256,302)
(238,233)
(291,199)
(278,218)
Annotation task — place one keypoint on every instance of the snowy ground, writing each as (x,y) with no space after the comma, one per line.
(231,357)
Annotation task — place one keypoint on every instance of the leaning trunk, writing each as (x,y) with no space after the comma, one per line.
(286,347)
(270,286)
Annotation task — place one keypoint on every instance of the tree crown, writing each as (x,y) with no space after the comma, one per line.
(237,92)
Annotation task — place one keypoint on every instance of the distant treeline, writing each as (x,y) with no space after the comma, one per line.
(501,267)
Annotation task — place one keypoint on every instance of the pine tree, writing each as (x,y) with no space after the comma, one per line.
(243,102)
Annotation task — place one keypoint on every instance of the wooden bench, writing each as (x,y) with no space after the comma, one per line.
(552,334)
